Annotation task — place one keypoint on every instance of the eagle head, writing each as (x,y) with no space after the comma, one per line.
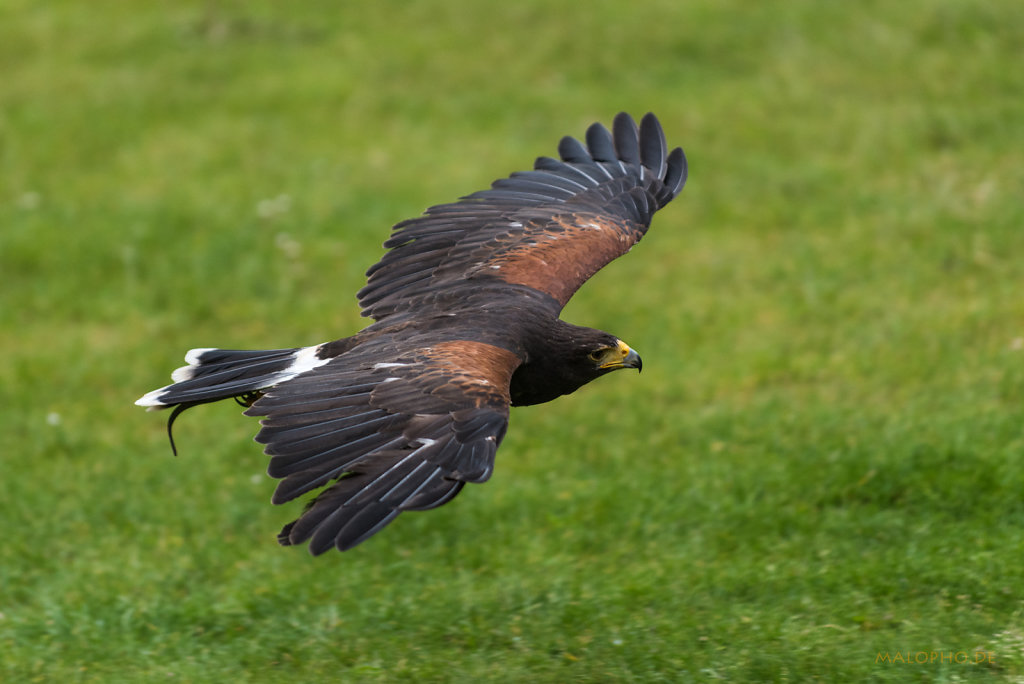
(564,362)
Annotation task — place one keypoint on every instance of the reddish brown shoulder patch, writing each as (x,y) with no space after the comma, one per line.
(558,256)
(477,369)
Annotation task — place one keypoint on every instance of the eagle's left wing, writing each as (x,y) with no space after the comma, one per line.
(403,425)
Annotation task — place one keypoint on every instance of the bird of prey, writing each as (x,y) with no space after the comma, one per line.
(465,303)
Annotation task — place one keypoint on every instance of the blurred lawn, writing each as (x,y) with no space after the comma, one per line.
(823,463)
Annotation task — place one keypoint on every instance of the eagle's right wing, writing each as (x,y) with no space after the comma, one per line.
(549,229)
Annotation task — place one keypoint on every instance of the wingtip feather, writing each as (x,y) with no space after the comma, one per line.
(678,170)
(626,136)
(572,150)
(653,147)
(600,143)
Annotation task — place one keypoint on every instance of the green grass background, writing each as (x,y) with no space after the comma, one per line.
(823,462)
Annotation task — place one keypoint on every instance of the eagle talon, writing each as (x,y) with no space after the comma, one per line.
(248,399)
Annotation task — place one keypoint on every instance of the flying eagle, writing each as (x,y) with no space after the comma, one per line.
(466,303)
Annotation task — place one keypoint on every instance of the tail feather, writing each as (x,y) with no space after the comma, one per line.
(215,374)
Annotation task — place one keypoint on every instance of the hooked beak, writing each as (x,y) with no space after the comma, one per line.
(633,360)
(621,356)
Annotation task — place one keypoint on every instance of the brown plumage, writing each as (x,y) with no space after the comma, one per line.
(466,302)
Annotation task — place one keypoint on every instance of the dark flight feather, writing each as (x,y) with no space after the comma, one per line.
(627,141)
(601,144)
